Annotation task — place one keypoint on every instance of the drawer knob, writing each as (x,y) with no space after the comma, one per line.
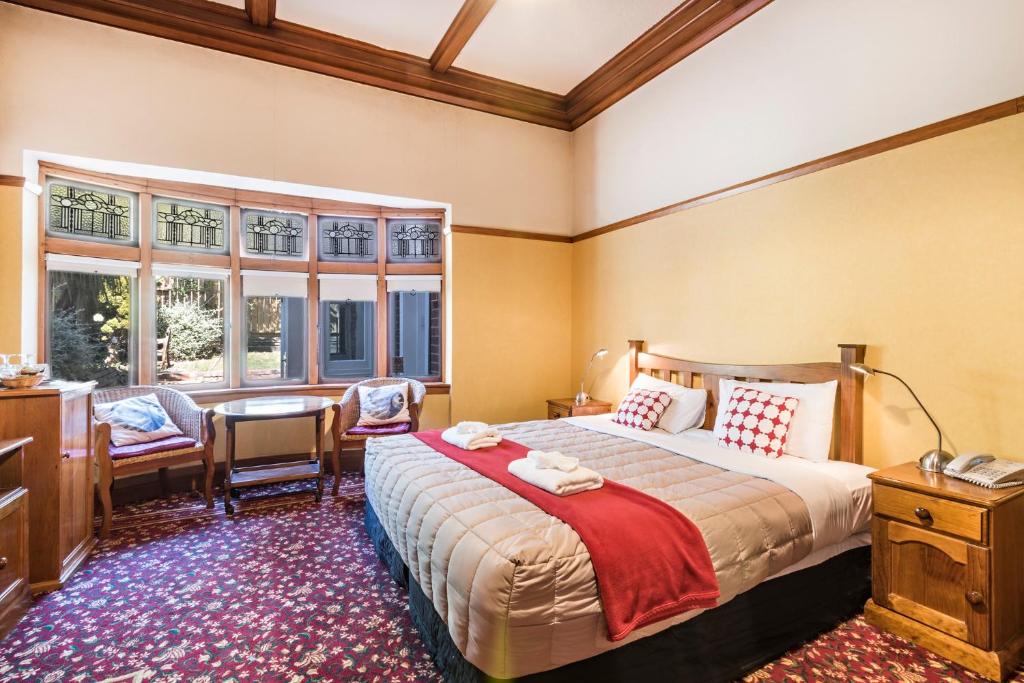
(975,597)
(66,454)
(923,514)
(3,563)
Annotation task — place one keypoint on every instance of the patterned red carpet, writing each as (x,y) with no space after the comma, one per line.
(291,591)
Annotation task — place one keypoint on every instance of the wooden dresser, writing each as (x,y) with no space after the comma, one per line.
(14,591)
(567,407)
(58,475)
(948,567)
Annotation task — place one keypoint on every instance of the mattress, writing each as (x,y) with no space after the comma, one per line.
(515,586)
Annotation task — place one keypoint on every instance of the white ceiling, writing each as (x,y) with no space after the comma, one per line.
(546,44)
(555,44)
(413,26)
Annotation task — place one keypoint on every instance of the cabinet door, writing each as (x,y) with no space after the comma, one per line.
(76,495)
(935,579)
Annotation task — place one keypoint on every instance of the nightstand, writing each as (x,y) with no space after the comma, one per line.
(948,568)
(566,407)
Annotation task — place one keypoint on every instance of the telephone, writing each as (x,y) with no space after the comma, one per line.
(985,470)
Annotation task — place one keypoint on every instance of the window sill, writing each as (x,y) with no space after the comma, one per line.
(208,396)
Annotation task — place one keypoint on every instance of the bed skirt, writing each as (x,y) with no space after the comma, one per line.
(722,644)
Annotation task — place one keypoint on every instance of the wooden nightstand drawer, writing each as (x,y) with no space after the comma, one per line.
(939,514)
(567,407)
(557,413)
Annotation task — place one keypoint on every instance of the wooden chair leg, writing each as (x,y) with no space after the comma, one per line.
(165,482)
(101,448)
(208,483)
(336,466)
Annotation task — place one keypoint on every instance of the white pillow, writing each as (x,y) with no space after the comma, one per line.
(810,434)
(139,419)
(384,405)
(687,408)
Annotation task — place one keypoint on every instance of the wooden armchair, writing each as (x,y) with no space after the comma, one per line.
(195,444)
(346,415)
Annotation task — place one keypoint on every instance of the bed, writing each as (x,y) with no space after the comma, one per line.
(499,589)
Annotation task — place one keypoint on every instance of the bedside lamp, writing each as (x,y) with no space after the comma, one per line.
(583,396)
(934,460)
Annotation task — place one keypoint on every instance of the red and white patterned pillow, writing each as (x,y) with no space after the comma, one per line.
(642,408)
(757,422)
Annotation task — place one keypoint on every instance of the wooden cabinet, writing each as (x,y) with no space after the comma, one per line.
(14,588)
(58,475)
(567,407)
(947,568)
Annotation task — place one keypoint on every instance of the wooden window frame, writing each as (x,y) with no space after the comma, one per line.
(235,261)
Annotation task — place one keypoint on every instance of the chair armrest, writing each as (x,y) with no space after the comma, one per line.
(347,415)
(101,442)
(185,413)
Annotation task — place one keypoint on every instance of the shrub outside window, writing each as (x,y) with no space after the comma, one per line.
(190,329)
(91,326)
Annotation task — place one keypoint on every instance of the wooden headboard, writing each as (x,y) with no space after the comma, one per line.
(847,434)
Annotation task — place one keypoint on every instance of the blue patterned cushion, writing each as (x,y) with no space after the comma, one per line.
(140,419)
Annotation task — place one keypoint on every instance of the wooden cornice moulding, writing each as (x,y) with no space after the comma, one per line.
(228,29)
(518,234)
(12,181)
(692,25)
(465,24)
(951,125)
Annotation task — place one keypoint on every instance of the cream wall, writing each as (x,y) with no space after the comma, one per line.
(799,80)
(512,326)
(75,88)
(916,252)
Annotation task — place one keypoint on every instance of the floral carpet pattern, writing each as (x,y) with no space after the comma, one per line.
(288,590)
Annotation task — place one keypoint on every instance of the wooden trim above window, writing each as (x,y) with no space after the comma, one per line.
(12,181)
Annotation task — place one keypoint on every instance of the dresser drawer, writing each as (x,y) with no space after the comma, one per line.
(557,413)
(939,514)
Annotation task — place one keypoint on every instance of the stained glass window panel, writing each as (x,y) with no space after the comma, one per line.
(183,224)
(347,239)
(83,211)
(414,240)
(272,233)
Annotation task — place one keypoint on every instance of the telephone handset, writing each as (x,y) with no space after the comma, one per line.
(985,470)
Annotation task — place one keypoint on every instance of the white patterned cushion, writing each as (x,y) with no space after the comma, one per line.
(139,419)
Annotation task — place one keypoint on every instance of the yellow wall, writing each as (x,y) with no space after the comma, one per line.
(511,328)
(10,272)
(917,252)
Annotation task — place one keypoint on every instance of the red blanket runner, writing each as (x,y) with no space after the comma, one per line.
(650,561)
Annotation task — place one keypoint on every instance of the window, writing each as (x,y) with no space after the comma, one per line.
(275,326)
(414,240)
(414,326)
(347,239)
(182,224)
(79,211)
(272,233)
(180,290)
(91,322)
(348,326)
(190,329)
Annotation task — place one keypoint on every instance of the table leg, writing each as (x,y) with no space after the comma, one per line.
(320,455)
(229,462)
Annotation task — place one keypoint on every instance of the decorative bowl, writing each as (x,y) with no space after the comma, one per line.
(22,381)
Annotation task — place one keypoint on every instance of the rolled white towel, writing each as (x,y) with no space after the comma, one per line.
(555,481)
(468,427)
(553,460)
(472,440)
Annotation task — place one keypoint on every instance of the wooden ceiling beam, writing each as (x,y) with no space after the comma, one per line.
(465,24)
(682,32)
(261,12)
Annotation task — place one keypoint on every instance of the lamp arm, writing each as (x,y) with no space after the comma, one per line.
(925,410)
(583,380)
